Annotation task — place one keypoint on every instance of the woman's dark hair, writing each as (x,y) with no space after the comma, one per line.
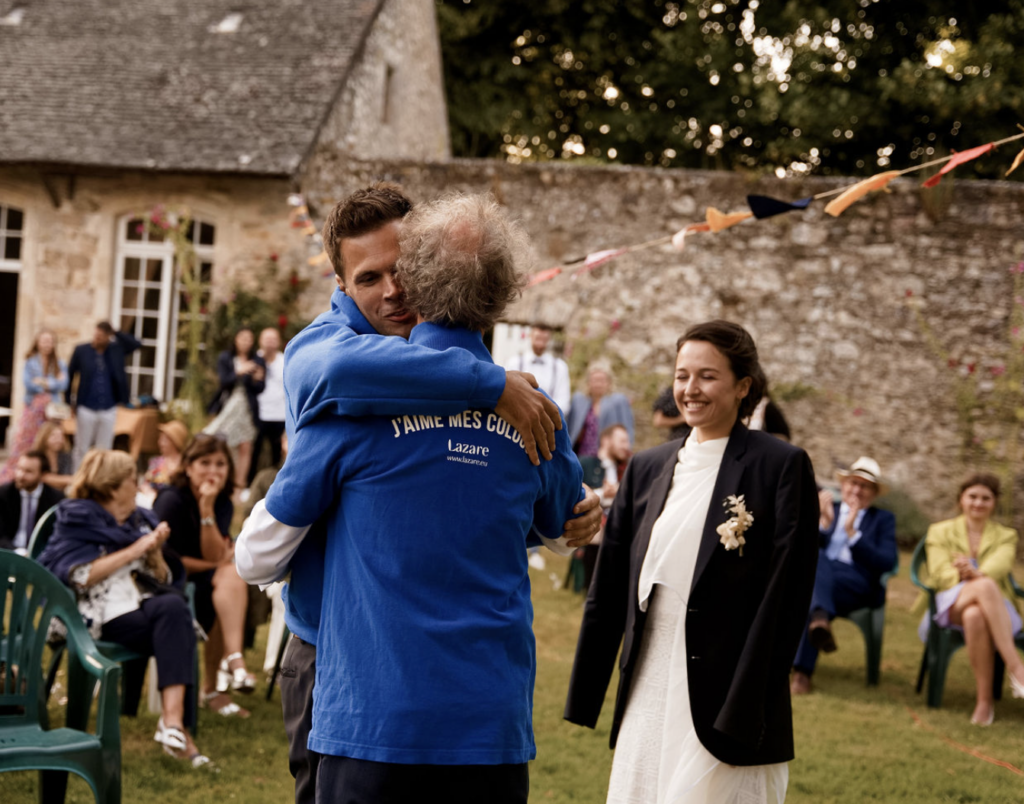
(202,445)
(252,349)
(989,481)
(739,349)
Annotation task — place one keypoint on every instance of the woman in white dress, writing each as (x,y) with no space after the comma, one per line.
(704,577)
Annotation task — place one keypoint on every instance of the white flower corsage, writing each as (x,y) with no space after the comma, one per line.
(731,531)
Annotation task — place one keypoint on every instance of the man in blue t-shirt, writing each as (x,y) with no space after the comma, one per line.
(425,650)
(339,367)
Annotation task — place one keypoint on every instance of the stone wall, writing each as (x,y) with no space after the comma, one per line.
(826,298)
(69,253)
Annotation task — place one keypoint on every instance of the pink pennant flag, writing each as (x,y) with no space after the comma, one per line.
(596,259)
(544,276)
(959,159)
(679,238)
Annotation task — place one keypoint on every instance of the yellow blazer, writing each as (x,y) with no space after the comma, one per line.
(996,553)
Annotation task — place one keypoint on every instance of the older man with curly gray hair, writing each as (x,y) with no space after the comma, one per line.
(463,261)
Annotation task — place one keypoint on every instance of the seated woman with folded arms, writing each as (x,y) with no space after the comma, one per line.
(969,563)
(197,505)
(128,584)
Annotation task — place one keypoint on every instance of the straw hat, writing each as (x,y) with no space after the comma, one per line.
(177,432)
(866,469)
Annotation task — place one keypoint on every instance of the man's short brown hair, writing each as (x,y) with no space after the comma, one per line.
(364,211)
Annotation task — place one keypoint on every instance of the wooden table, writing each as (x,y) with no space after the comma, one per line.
(139,424)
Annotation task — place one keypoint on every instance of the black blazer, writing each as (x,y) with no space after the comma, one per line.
(226,379)
(875,551)
(745,613)
(10,511)
(83,363)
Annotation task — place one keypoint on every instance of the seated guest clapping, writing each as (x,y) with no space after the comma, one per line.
(127,583)
(858,546)
(969,563)
(198,508)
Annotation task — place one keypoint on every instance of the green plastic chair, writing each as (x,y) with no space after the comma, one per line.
(871,623)
(134,664)
(29,598)
(942,643)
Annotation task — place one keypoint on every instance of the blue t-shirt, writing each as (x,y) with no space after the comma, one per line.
(333,368)
(425,651)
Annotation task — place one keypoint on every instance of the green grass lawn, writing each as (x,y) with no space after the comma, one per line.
(854,744)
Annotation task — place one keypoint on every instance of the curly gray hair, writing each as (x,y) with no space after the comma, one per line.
(463,260)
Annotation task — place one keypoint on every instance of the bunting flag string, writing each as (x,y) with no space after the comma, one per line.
(763,206)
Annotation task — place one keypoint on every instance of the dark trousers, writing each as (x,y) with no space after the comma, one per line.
(342,780)
(298,672)
(838,589)
(271,431)
(160,627)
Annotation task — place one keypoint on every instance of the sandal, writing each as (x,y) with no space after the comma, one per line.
(239,679)
(230,709)
(170,737)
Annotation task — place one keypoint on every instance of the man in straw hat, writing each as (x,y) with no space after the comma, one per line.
(858,545)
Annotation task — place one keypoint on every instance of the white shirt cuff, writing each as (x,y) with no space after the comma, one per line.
(265,547)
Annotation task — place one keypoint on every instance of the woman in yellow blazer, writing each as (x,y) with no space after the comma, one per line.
(969,563)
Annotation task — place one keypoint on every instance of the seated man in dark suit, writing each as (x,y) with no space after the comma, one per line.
(24,501)
(858,545)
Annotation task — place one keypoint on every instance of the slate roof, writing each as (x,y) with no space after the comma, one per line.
(146,84)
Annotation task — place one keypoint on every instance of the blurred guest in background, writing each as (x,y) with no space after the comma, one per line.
(23,502)
(270,402)
(241,374)
(858,545)
(128,584)
(198,508)
(46,379)
(53,443)
(590,414)
(552,372)
(102,386)
(970,559)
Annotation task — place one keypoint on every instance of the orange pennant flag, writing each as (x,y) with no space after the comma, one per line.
(837,206)
(719,220)
(959,159)
(1016,163)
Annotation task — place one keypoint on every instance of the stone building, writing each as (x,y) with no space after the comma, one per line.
(112,108)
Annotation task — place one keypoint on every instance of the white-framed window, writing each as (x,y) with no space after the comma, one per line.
(148,302)
(12,224)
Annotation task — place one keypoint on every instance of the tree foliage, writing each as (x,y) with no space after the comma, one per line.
(837,86)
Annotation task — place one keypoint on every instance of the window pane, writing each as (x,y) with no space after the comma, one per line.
(155,235)
(205,234)
(190,232)
(12,248)
(14,220)
(206,272)
(152,299)
(127,323)
(147,357)
(135,228)
(153,270)
(145,385)
(129,298)
(150,327)
(131,269)
(181,359)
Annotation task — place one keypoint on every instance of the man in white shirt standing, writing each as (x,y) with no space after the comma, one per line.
(270,402)
(552,372)
(23,502)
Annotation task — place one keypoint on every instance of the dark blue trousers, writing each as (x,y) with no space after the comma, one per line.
(161,627)
(838,589)
(342,780)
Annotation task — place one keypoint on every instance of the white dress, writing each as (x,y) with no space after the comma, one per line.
(658,757)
